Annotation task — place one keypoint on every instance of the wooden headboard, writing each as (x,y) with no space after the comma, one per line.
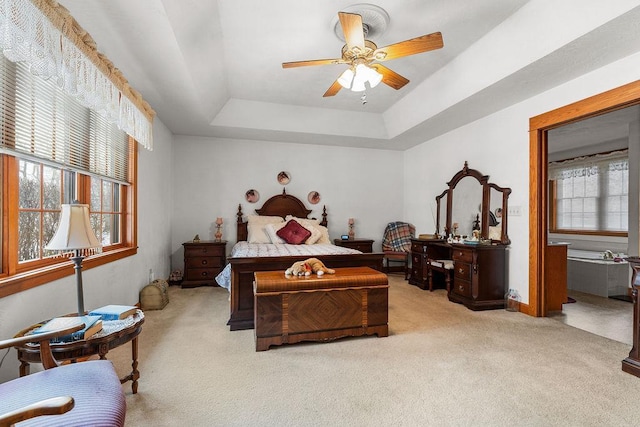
(279,205)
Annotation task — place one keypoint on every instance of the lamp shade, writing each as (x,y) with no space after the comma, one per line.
(74,230)
(346,78)
(358,83)
(366,74)
(374,78)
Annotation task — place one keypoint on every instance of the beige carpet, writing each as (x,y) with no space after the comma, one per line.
(442,365)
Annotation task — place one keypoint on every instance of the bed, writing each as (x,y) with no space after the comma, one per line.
(243,262)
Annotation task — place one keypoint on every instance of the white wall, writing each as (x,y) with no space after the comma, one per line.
(212,175)
(118,282)
(498,146)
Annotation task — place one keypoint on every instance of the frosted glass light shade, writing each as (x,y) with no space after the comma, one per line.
(374,78)
(358,82)
(368,74)
(346,78)
(74,230)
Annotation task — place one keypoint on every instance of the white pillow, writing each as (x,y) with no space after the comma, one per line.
(272,230)
(255,227)
(305,222)
(315,235)
(324,238)
(260,219)
(311,224)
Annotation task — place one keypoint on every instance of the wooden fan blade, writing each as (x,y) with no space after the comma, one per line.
(352,29)
(390,77)
(335,88)
(409,47)
(312,62)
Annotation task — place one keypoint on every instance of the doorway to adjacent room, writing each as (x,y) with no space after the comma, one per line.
(597,105)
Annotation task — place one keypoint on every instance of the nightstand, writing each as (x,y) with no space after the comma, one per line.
(203,261)
(363,245)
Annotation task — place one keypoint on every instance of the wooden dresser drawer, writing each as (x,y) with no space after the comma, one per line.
(201,273)
(464,255)
(362,245)
(203,262)
(417,259)
(462,270)
(418,247)
(462,287)
(203,251)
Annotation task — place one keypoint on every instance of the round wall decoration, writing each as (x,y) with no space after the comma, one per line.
(313,197)
(252,196)
(284,177)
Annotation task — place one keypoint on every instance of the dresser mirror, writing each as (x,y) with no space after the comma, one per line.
(472,202)
(441,207)
(466,206)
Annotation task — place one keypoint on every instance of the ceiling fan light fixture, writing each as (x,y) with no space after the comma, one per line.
(374,77)
(355,25)
(358,84)
(366,74)
(346,78)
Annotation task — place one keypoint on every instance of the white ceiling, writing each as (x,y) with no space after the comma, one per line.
(202,64)
(589,136)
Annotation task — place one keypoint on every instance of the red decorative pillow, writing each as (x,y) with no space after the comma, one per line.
(293,233)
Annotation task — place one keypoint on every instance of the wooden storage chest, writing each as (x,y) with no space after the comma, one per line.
(352,302)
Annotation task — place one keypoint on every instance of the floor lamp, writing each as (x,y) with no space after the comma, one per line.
(75,238)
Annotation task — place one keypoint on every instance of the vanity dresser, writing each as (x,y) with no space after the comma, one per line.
(473,275)
(473,271)
(479,276)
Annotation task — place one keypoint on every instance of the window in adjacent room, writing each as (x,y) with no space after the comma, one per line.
(590,195)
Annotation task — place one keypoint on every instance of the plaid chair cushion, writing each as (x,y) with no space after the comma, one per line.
(397,237)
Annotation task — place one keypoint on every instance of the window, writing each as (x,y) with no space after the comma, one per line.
(40,197)
(590,194)
(56,151)
(105,211)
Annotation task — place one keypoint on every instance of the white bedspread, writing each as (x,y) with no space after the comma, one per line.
(246,250)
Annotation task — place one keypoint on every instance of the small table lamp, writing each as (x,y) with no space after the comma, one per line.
(218,232)
(75,238)
(351,232)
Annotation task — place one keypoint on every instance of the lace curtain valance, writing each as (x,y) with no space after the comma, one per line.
(44,35)
(589,165)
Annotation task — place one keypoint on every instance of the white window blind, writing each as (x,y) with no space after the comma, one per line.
(592,193)
(39,121)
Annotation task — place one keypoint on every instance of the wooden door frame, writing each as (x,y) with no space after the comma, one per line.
(615,99)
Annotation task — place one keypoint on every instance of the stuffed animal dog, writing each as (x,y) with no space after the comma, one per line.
(308,266)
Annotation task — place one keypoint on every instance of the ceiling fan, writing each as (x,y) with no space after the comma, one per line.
(363,57)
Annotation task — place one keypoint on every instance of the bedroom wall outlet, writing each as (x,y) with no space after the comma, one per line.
(151,278)
(515,210)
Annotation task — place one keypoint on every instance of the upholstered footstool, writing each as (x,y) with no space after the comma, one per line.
(289,309)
